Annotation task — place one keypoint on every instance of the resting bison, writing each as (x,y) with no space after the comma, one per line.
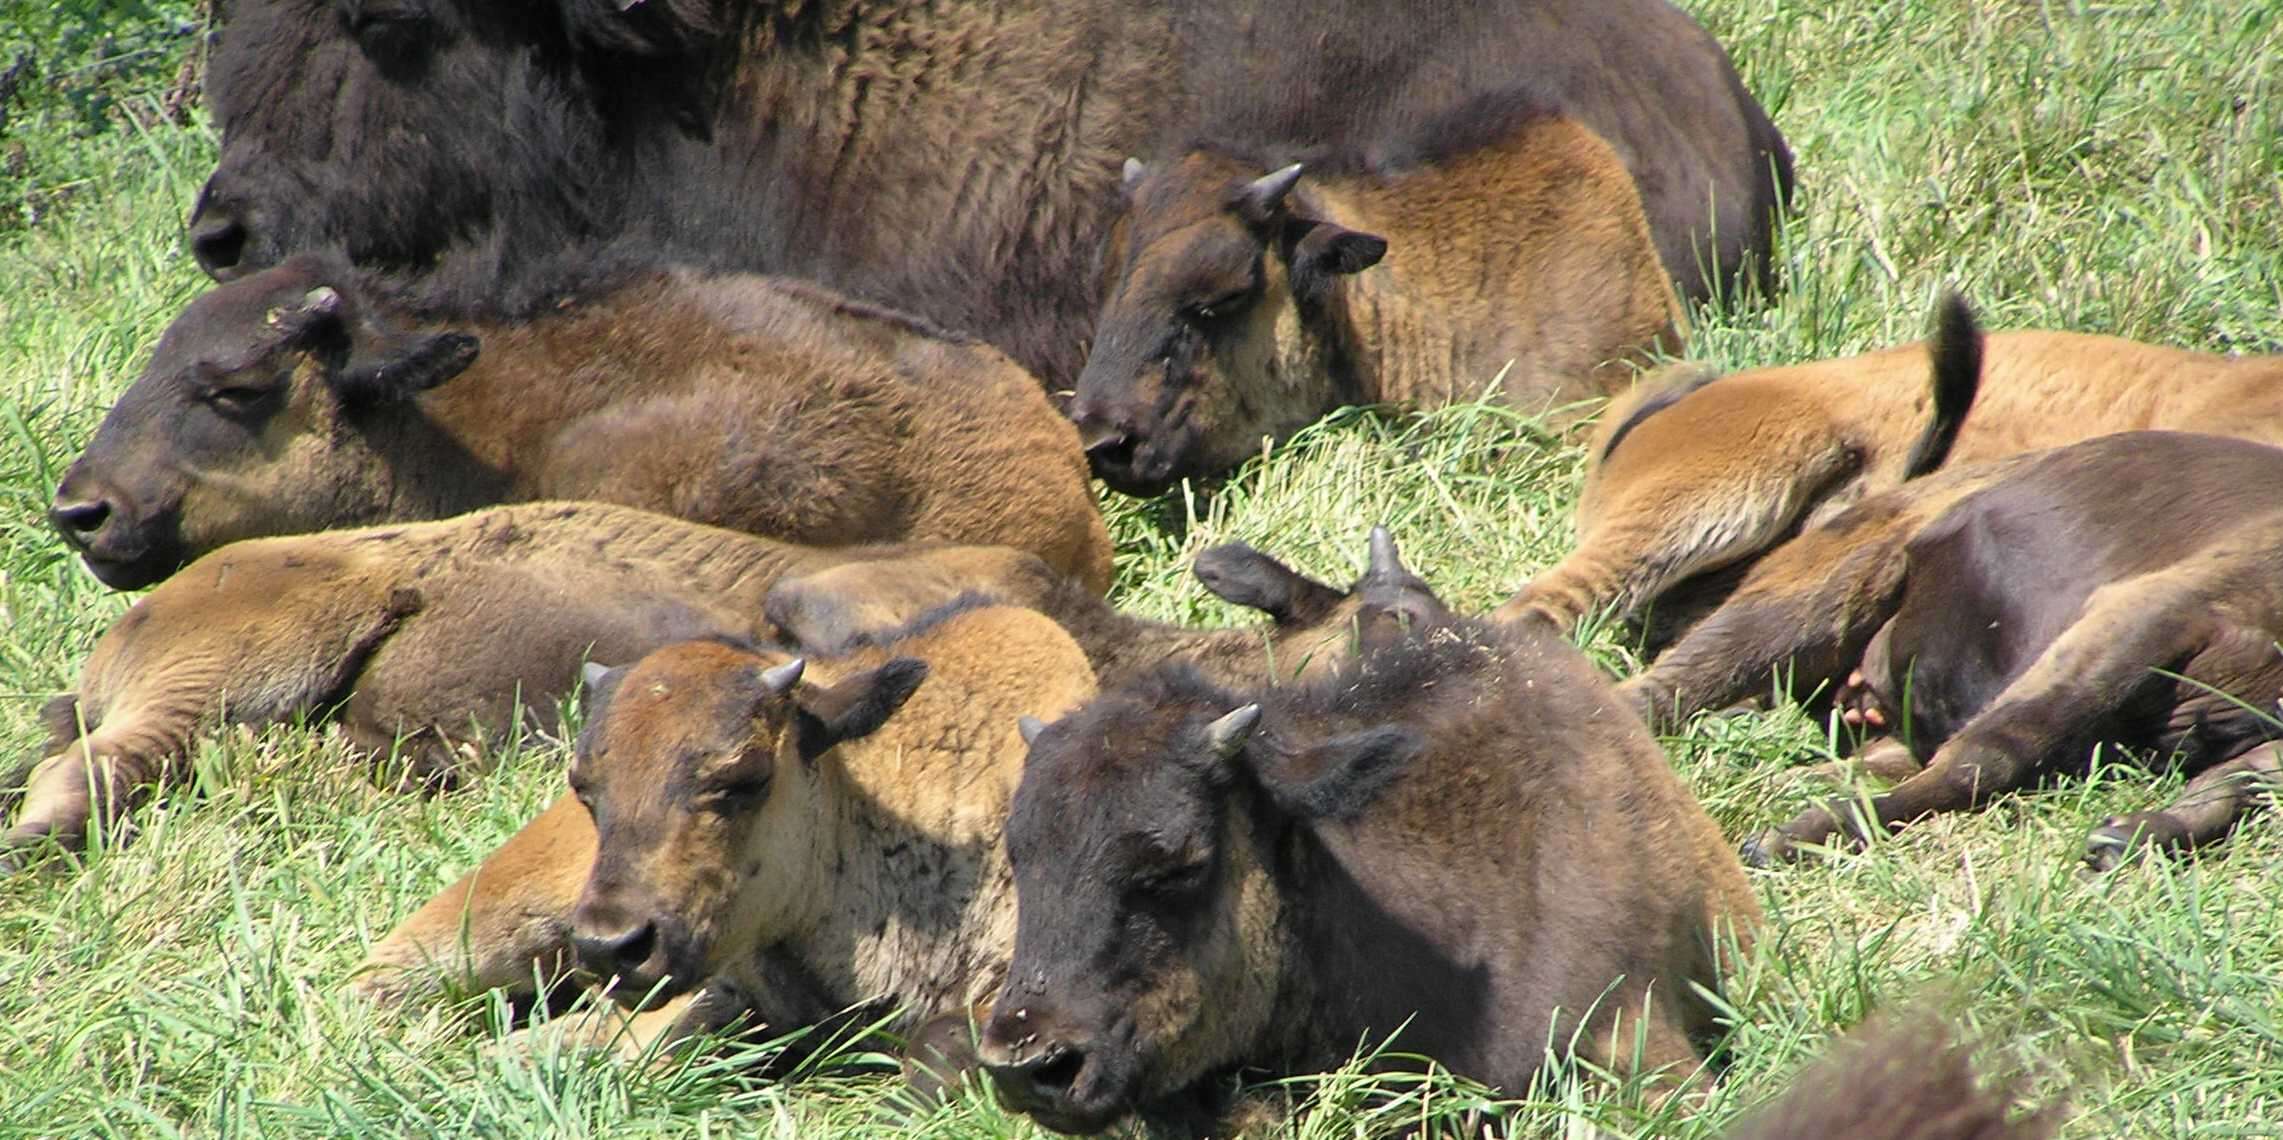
(848,610)
(1462,836)
(420,639)
(1246,304)
(954,157)
(1699,473)
(298,399)
(2003,621)
(795,836)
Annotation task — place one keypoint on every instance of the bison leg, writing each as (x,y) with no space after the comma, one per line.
(2208,808)
(2102,663)
(504,925)
(91,784)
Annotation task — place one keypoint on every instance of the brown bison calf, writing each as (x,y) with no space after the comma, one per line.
(795,836)
(421,639)
(2127,590)
(1461,836)
(1698,472)
(1248,305)
(298,399)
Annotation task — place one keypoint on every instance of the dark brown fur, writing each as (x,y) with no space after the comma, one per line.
(1461,830)
(955,157)
(297,400)
(1729,468)
(1247,302)
(2003,620)
(1902,1077)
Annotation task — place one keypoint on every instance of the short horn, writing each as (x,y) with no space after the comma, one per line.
(781,679)
(1030,727)
(1132,174)
(320,303)
(1385,560)
(592,673)
(1226,735)
(1263,195)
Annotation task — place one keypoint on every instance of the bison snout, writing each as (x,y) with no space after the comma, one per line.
(218,241)
(80,520)
(633,953)
(1054,1077)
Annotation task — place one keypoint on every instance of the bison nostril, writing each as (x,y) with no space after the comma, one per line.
(219,243)
(1057,1069)
(622,952)
(80,520)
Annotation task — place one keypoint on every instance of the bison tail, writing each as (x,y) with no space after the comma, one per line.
(1956,352)
(1903,1078)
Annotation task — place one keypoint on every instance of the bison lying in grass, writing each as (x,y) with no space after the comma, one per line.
(1697,472)
(420,639)
(301,399)
(1248,305)
(1462,836)
(2002,621)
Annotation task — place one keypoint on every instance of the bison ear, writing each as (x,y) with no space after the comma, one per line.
(1338,778)
(1327,250)
(385,366)
(1235,572)
(858,706)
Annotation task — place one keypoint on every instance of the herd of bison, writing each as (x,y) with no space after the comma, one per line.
(746,365)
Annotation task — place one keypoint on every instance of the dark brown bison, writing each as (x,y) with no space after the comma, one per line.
(1461,835)
(300,398)
(421,641)
(1698,472)
(1247,300)
(959,159)
(2000,622)
(756,834)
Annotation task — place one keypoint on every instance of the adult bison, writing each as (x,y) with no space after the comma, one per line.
(959,158)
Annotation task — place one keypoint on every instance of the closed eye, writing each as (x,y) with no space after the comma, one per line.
(1218,309)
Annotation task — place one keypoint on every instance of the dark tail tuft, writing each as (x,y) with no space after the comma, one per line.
(1907,1077)
(1956,353)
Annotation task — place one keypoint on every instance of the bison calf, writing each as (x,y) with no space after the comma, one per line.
(808,834)
(2003,621)
(1460,836)
(1248,305)
(300,399)
(421,639)
(1696,472)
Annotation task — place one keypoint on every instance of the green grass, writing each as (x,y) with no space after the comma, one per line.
(2114,167)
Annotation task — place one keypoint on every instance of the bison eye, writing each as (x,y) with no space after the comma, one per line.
(738,796)
(1218,309)
(1174,881)
(236,400)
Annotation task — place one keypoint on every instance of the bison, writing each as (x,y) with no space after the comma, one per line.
(514,908)
(1697,473)
(955,158)
(1246,305)
(775,837)
(1459,842)
(307,397)
(421,640)
(1999,622)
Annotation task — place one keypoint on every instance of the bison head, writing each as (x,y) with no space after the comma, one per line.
(1150,942)
(699,768)
(249,420)
(396,128)
(1189,369)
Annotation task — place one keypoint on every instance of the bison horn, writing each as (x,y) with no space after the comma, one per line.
(319,303)
(1386,561)
(1030,727)
(781,679)
(592,674)
(1226,735)
(1133,174)
(1264,195)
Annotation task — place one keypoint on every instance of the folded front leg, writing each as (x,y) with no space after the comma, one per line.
(2207,810)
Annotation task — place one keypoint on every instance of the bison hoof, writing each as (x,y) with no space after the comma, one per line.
(2120,837)
(1768,849)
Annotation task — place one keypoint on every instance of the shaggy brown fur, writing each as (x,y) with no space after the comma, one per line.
(421,639)
(1461,835)
(808,837)
(1902,1077)
(296,400)
(1691,475)
(2003,620)
(1248,303)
